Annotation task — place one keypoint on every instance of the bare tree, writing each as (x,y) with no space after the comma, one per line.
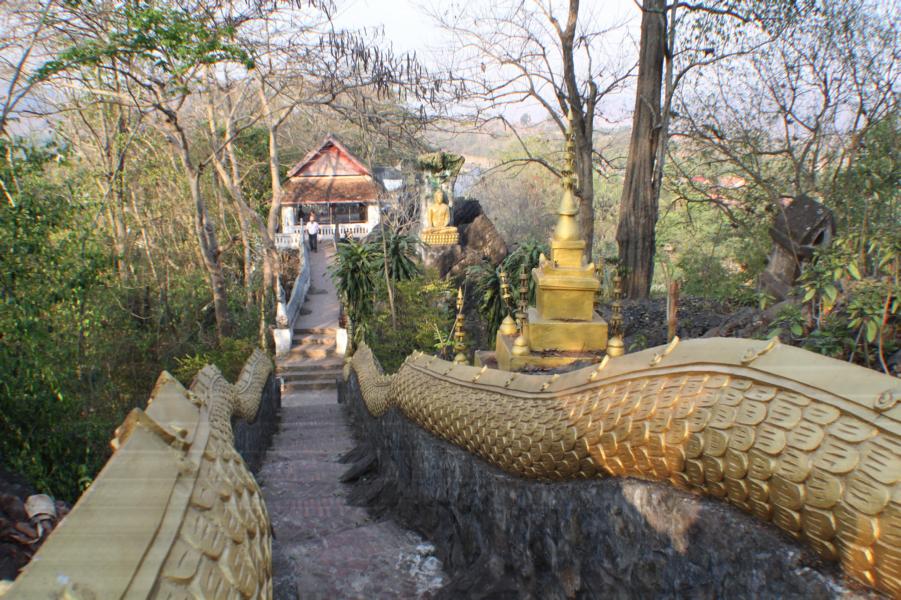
(787,119)
(159,54)
(530,51)
(314,68)
(24,28)
(103,132)
(713,32)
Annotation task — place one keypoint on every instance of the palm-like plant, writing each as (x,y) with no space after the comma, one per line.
(526,255)
(399,253)
(487,285)
(486,281)
(354,273)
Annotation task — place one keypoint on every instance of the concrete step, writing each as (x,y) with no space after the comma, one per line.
(311,366)
(313,351)
(324,339)
(302,364)
(332,331)
(318,375)
(308,385)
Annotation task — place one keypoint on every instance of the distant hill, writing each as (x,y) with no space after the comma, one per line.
(486,147)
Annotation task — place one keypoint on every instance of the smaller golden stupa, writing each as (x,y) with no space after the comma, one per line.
(562,327)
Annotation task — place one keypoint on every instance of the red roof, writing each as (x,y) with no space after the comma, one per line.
(330,158)
(345,188)
(330,173)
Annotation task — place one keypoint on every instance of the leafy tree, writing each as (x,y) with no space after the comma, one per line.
(49,266)
(160,52)
(426,304)
(859,275)
(400,253)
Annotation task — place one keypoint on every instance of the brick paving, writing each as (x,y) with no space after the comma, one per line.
(323,547)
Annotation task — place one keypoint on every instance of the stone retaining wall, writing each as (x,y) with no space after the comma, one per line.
(504,537)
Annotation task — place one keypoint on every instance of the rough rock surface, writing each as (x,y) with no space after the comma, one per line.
(479,241)
(442,258)
(644,321)
(503,537)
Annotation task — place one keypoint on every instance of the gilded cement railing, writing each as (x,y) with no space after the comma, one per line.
(174,513)
(806,442)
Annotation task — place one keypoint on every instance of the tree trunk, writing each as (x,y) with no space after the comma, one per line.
(638,204)
(585,190)
(271,124)
(205,231)
(209,252)
(583,128)
(238,194)
(248,258)
(273,266)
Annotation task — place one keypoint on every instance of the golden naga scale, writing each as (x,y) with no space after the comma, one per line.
(175,513)
(806,442)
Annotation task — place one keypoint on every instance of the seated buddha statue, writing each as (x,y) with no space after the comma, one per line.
(437,232)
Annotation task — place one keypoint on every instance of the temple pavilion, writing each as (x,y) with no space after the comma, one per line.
(336,185)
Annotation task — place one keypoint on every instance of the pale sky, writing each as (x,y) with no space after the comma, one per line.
(409,28)
(406,24)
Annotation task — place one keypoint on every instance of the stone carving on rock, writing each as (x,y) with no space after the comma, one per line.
(437,232)
(441,170)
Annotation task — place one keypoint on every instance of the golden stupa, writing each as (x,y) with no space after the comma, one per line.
(562,327)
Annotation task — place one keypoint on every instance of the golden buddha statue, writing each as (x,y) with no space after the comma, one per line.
(437,231)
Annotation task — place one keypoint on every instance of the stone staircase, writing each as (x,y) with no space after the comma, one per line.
(323,546)
(313,363)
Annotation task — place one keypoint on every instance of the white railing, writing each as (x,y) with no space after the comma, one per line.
(286,241)
(354,230)
(288,311)
(300,289)
(293,236)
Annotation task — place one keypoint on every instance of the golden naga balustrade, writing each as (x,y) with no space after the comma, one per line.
(808,443)
(175,513)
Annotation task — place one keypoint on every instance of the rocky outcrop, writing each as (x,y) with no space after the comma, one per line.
(479,241)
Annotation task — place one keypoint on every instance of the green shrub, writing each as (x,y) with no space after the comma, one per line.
(486,282)
(229,357)
(424,314)
(706,276)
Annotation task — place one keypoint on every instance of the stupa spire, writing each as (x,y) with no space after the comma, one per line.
(567,229)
